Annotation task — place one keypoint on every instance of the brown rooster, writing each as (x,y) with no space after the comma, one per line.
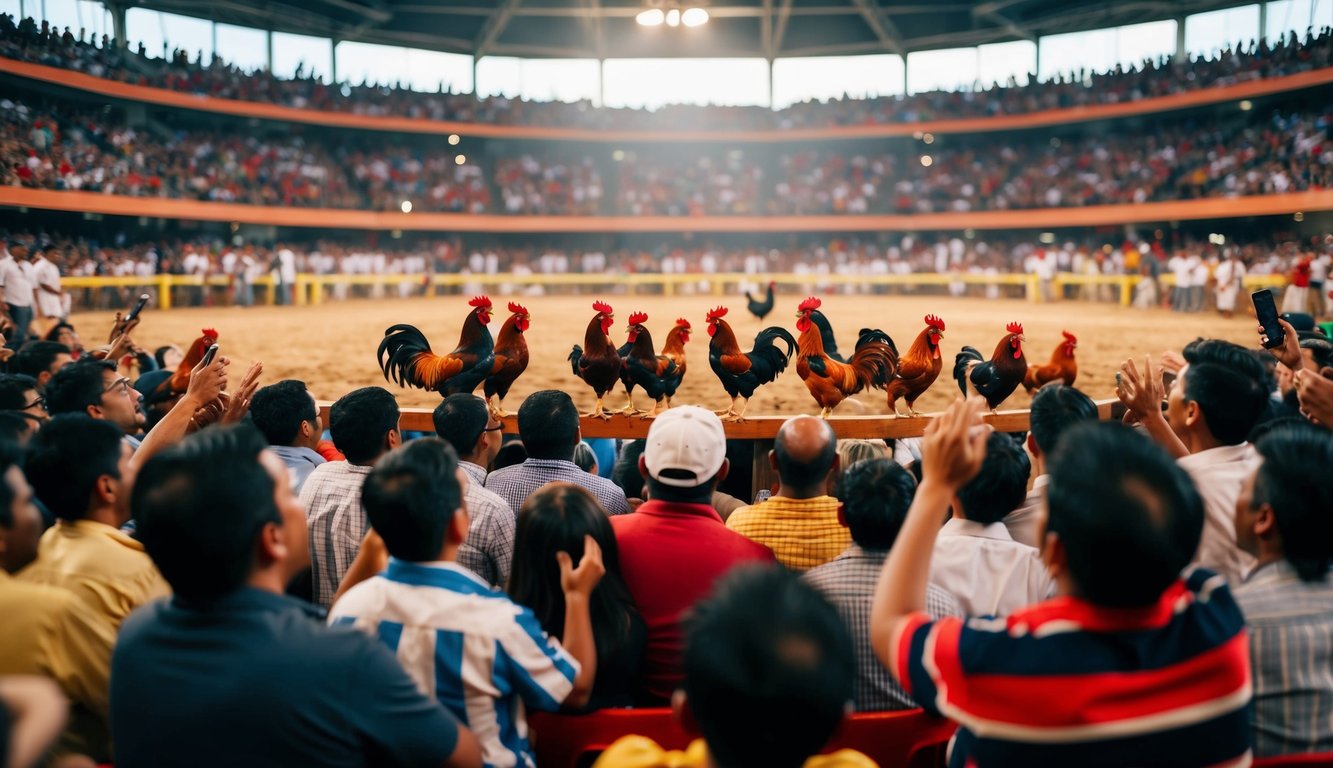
(674,350)
(1063,366)
(741,373)
(597,362)
(406,358)
(997,378)
(511,358)
(873,363)
(919,367)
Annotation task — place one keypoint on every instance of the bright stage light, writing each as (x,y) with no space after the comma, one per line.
(673,17)
(694,17)
(406,207)
(652,17)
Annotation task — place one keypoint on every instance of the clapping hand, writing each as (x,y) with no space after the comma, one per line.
(954,444)
(1142,394)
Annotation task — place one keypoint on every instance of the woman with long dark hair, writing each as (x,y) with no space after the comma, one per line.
(555,519)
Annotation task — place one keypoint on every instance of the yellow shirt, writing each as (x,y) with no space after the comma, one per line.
(802,533)
(49,632)
(102,566)
(642,752)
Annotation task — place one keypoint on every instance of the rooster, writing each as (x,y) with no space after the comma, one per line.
(644,367)
(511,358)
(597,361)
(873,363)
(1063,366)
(997,378)
(760,309)
(742,373)
(175,386)
(919,368)
(674,350)
(406,359)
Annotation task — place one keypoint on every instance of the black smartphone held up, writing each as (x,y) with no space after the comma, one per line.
(138,307)
(209,355)
(1265,310)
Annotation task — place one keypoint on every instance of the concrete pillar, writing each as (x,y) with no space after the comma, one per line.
(1180,38)
(1263,20)
(118,24)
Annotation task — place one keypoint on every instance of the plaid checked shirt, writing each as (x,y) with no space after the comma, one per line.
(514,484)
(488,550)
(848,581)
(337,522)
(802,533)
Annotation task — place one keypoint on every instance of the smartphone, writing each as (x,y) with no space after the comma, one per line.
(209,355)
(138,307)
(1265,310)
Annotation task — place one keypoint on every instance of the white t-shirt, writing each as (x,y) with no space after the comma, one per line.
(1219,473)
(47,274)
(989,572)
(17,278)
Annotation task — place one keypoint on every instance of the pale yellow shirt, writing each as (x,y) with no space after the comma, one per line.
(101,565)
(802,533)
(642,752)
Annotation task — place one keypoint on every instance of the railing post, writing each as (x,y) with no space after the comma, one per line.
(1127,284)
(298,290)
(1034,289)
(316,289)
(164,291)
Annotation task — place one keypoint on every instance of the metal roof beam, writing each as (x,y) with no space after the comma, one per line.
(780,26)
(880,23)
(494,27)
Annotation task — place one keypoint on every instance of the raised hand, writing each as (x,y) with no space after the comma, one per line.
(1289,354)
(1142,394)
(954,444)
(208,381)
(239,405)
(1315,391)
(581,580)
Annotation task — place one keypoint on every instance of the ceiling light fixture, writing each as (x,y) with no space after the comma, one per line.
(673,17)
(672,14)
(653,17)
(694,17)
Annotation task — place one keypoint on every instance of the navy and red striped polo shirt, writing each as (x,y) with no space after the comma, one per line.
(1065,682)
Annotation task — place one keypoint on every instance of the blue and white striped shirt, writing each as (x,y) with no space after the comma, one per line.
(483,656)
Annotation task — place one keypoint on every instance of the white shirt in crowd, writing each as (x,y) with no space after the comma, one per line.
(44,273)
(1219,473)
(989,572)
(1023,523)
(17,279)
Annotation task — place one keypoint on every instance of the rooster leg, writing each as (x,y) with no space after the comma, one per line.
(825,412)
(739,416)
(728,411)
(657,409)
(597,412)
(494,404)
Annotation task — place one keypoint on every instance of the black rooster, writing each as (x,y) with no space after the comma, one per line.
(760,309)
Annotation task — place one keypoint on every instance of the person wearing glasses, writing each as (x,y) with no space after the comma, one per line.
(463,421)
(19,393)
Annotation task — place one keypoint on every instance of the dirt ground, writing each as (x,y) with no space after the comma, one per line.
(332,346)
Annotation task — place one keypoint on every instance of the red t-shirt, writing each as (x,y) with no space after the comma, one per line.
(671,555)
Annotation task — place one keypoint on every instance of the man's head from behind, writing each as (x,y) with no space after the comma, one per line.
(1286,509)
(804,453)
(875,495)
(548,422)
(93,388)
(80,467)
(464,422)
(216,512)
(1055,408)
(685,455)
(1000,486)
(414,498)
(41,360)
(364,424)
(285,414)
(769,669)
(1123,519)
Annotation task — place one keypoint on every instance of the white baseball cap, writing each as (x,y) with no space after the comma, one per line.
(688,444)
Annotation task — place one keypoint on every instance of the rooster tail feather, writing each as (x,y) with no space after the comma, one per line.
(867,335)
(875,364)
(575,356)
(963,362)
(765,347)
(397,354)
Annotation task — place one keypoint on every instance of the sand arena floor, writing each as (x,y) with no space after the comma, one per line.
(332,346)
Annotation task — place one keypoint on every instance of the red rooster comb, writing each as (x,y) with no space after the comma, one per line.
(716,314)
(809,304)
(210,333)
(1014,328)
(603,307)
(1069,337)
(637,317)
(683,323)
(517,309)
(934,322)
(480,301)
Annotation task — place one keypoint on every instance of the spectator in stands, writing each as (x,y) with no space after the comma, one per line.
(19,393)
(364,424)
(1214,403)
(584,458)
(548,422)
(976,560)
(1283,519)
(1052,684)
(556,519)
(675,547)
(19,292)
(875,495)
(41,360)
(768,674)
(1055,408)
(464,422)
(218,517)
(799,523)
(287,415)
(414,499)
(625,474)
(63,332)
(49,631)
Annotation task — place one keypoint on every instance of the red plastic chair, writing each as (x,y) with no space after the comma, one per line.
(909,738)
(1323,759)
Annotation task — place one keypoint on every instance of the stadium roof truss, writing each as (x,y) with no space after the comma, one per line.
(602,29)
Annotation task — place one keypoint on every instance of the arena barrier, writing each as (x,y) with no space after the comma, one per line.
(166,291)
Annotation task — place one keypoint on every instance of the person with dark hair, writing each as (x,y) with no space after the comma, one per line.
(218,516)
(511,454)
(1214,403)
(976,560)
(584,458)
(556,519)
(1055,408)
(464,422)
(287,415)
(768,676)
(800,522)
(626,473)
(1284,518)
(548,422)
(18,392)
(168,357)
(364,424)
(64,333)
(471,645)
(875,495)
(1132,662)
(40,360)
(675,547)
(20,522)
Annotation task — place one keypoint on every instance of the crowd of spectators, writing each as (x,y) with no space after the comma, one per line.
(173,540)
(188,72)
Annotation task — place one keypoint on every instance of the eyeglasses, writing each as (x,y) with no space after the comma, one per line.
(40,402)
(120,386)
(495,428)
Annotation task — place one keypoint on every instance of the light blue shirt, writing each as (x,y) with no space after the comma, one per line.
(300,463)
